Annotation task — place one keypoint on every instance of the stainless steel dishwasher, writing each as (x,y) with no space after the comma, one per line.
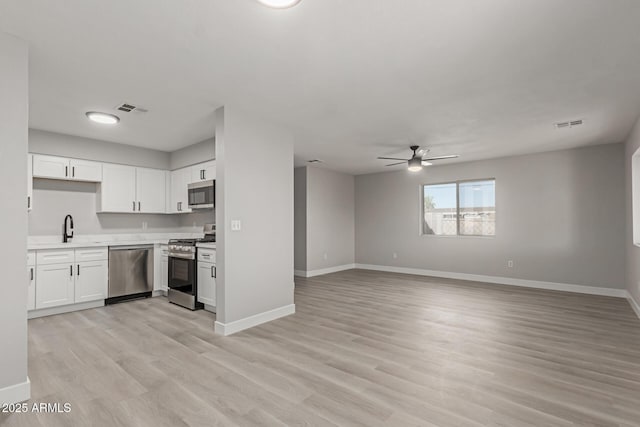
(130,272)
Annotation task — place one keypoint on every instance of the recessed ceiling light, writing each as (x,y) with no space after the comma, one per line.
(279,4)
(103,118)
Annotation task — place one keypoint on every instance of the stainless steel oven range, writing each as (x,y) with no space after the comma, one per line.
(183,289)
(183,271)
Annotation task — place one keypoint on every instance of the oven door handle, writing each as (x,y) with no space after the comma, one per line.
(190,257)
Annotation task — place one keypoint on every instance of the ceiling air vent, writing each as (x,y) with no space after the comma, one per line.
(569,124)
(128,108)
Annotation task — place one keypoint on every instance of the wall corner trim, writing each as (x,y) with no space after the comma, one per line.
(16,393)
(634,304)
(226,329)
(564,287)
(320,272)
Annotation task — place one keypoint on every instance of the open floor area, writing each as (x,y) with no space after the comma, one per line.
(364,348)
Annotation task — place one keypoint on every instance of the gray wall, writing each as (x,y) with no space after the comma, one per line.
(56,144)
(330,219)
(300,218)
(14,112)
(632,251)
(256,273)
(558,219)
(193,154)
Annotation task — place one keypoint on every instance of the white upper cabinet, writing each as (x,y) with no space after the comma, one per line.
(203,171)
(150,190)
(130,189)
(180,180)
(63,168)
(50,167)
(84,170)
(117,192)
(30,182)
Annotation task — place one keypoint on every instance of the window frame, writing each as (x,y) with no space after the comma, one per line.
(457,183)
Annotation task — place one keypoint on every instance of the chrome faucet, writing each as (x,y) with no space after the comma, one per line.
(67,233)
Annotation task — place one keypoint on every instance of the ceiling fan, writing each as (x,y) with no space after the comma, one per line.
(417,161)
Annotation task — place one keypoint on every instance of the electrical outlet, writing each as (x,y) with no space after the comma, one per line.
(236,225)
(395,255)
(144,225)
(325,255)
(510,263)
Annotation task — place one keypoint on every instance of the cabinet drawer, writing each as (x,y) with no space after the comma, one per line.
(54,256)
(31,258)
(92,254)
(207,255)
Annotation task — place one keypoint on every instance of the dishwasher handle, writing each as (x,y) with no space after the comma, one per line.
(130,248)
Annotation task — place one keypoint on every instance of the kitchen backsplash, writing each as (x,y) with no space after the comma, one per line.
(53,200)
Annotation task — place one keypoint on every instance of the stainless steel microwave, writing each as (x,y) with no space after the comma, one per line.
(202,195)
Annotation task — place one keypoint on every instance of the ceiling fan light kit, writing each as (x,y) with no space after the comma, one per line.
(415,164)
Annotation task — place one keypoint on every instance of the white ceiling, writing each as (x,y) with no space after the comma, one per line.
(353,79)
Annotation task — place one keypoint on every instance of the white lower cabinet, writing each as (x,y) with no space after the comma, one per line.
(31,281)
(164,272)
(55,285)
(64,277)
(161,266)
(91,282)
(207,277)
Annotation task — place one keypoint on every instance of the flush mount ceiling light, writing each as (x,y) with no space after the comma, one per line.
(279,4)
(102,118)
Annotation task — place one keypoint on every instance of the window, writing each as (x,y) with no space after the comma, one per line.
(465,208)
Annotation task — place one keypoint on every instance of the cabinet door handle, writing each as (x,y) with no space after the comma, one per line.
(73,171)
(214,271)
(134,206)
(78,269)
(66,171)
(138,206)
(31,274)
(28,202)
(71,270)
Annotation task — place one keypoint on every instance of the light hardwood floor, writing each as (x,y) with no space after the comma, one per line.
(364,349)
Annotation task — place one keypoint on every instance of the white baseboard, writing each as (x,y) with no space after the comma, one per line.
(592,290)
(634,304)
(158,293)
(320,272)
(16,393)
(255,320)
(64,309)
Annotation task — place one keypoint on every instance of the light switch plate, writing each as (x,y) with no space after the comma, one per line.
(236,225)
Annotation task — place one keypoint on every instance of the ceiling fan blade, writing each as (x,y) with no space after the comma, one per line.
(453,156)
(396,164)
(392,158)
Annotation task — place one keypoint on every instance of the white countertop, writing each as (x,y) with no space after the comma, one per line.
(54,242)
